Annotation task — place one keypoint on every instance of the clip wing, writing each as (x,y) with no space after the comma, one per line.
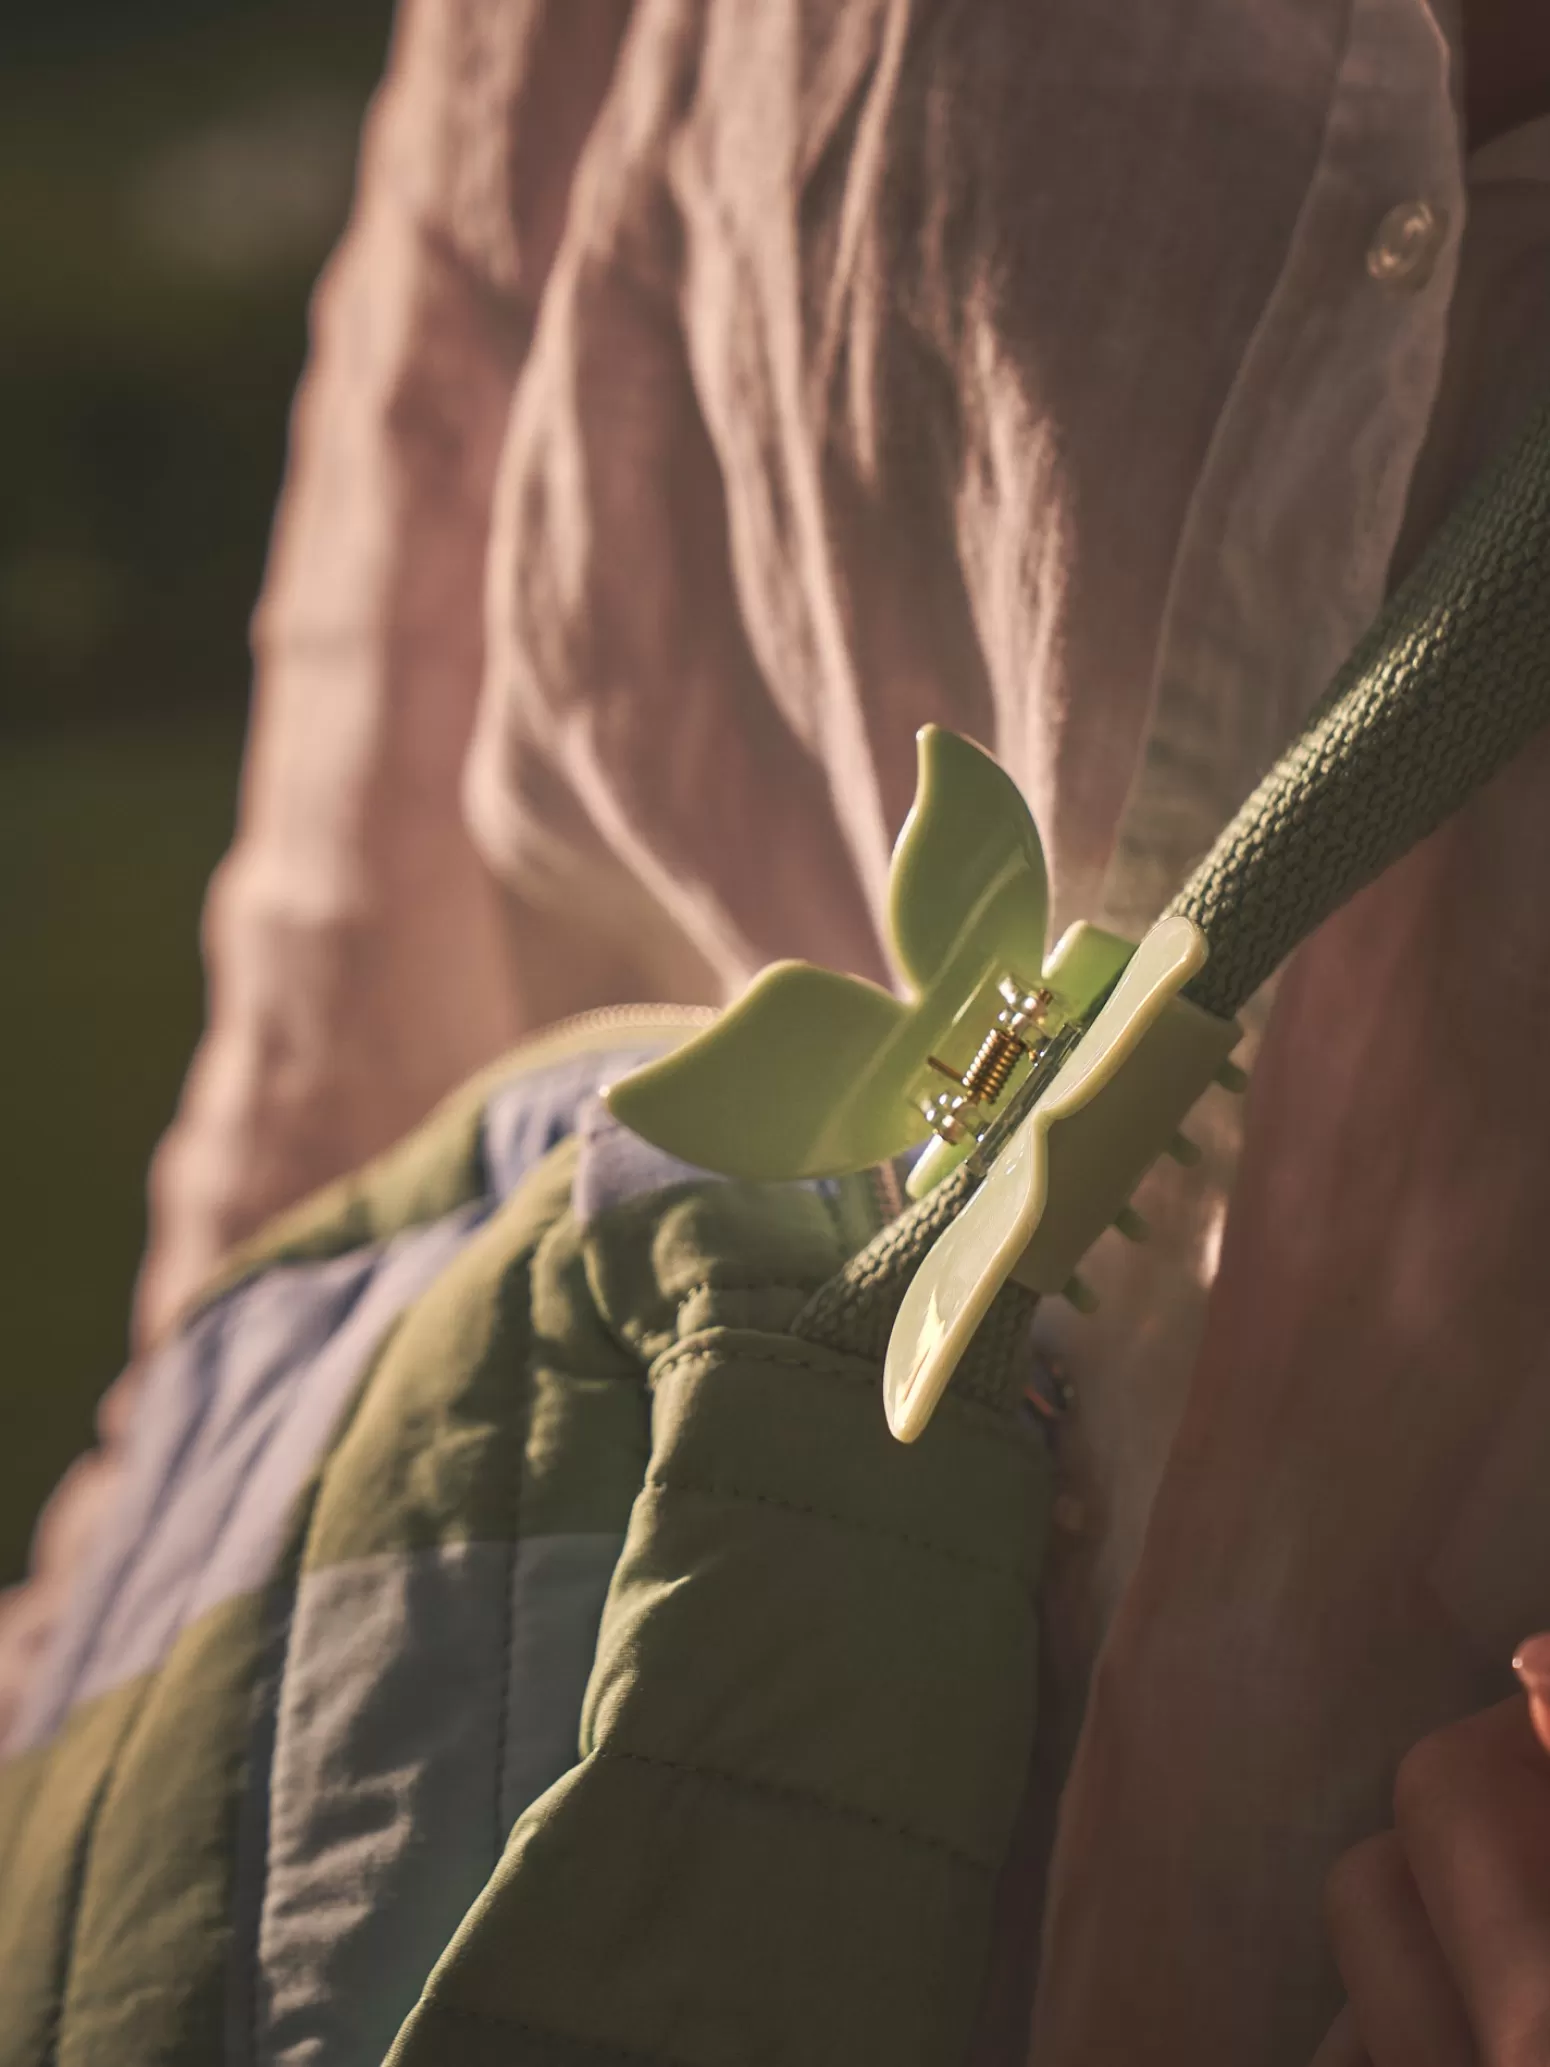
(812,1074)
(754,1095)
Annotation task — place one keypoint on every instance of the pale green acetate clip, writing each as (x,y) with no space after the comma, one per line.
(1060,1081)
(1111,1111)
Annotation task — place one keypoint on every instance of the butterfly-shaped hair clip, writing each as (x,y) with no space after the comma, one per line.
(1059,1077)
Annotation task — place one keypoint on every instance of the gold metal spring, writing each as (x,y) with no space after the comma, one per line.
(999,1054)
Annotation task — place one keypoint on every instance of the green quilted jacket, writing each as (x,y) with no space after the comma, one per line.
(519,1639)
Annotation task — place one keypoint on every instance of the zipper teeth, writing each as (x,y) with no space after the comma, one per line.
(605,1018)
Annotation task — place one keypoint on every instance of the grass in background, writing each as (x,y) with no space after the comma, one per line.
(106,843)
(164,206)
(172,173)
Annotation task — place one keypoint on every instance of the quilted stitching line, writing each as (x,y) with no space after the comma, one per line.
(804,1802)
(740,1496)
(968,1416)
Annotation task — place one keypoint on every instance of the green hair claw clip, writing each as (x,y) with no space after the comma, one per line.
(1059,1078)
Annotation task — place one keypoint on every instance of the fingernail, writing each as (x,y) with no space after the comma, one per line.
(1532,1665)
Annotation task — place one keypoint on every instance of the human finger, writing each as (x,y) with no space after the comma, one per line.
(1403,2000)
(1472,1812)
(1532,1665)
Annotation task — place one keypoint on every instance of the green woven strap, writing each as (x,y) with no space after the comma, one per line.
(1450,682)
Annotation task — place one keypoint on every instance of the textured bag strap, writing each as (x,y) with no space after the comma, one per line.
(1450,682)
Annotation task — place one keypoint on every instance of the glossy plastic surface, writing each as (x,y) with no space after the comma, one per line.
(813,1074)
(1116,1103)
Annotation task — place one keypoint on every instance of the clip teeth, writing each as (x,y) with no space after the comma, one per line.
(1185,1151)
(1131,1225)
(1081,1295)
(1233,1079)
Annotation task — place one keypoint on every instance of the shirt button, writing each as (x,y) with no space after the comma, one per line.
(1405,249)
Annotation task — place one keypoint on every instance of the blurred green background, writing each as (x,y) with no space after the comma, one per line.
(171,176)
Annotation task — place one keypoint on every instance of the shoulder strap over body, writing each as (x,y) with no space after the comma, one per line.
(1450,682)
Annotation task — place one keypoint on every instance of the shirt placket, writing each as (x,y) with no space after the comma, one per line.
(1283,560)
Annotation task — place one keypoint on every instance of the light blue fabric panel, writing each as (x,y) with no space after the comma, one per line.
(614,1165)
(533,1114)
(235,1415)
(423,1701)
(189,1395)
(559,1586)
(428,1698)
(285,1453)
(237,1409)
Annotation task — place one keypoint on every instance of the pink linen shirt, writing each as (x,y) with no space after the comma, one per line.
(703,398)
